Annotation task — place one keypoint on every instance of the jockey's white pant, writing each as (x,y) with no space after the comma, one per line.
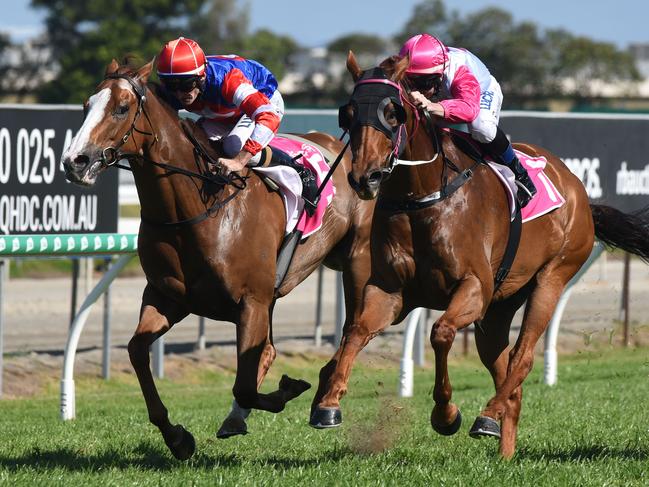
(484,127)
(235,137)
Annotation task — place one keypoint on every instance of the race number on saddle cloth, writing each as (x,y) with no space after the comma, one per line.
(290,184)
(547,197)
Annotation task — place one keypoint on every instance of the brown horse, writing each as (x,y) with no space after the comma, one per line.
(437,244)
(208,244)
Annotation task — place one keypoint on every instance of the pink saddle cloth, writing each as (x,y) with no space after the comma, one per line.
(291,185)
(547,197)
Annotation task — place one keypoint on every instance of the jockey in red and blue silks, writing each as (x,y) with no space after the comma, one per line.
(467,93)
(237,98)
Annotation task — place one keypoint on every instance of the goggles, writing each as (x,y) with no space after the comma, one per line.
(185,84)
(425,82)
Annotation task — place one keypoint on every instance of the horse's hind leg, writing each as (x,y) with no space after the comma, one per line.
(539,310)
(379,311)
(492,341)
(157,315)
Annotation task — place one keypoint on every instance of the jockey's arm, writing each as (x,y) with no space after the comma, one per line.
(239,90)
(464,104)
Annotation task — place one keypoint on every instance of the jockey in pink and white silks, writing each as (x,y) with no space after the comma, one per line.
(467,93)
(237,98)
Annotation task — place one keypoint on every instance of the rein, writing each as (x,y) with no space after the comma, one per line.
(111,155)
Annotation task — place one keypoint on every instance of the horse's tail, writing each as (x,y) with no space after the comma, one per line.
(626,231)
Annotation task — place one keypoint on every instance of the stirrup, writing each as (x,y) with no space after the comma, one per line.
(523,195)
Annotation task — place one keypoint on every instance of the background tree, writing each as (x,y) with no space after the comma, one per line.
(220,26)
(4,62)
(86,34)
(429,16)
(529,63)
(359,43)
(579,60)
(271,50)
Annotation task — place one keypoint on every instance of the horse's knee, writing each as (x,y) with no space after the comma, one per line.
(442,335)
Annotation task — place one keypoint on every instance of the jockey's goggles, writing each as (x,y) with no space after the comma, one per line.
(425,82)
(184,84)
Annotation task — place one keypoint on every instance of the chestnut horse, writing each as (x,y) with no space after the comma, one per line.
(208,244)
(437,244)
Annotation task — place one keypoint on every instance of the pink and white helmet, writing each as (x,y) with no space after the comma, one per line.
(427,54)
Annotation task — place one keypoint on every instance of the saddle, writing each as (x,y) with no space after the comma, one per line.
(271,156)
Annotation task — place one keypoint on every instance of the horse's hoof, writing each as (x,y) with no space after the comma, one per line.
(325,418)
(294,387)
(181,443)
(447,429)
(232,426)
(484,426)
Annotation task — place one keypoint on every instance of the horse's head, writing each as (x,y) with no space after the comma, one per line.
(110,115)
(375,118)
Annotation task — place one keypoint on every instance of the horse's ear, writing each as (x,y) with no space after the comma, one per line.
(400,67)
(352,66)
(112,67)
(144,72)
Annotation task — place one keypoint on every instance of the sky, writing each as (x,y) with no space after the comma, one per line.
(314,23)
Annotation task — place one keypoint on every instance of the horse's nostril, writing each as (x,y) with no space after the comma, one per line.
(374,179)
(80,161)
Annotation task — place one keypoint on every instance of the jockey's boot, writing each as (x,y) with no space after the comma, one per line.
(526,188)
(500,148)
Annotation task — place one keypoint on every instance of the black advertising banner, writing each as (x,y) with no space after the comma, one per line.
(35,197)
(609,153)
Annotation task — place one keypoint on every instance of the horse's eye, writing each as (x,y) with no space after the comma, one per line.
(121,110)
(391,116)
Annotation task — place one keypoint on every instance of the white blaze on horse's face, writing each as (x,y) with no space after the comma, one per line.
(96,112)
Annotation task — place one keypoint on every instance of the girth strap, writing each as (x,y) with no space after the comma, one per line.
(510,250)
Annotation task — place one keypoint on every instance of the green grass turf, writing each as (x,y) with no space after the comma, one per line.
(592,428)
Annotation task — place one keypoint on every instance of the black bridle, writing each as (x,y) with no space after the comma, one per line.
(112,154)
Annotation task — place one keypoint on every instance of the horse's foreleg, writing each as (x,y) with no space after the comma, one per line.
(157,315)
(538,312)
(379,311)
(252,344)
(466,306)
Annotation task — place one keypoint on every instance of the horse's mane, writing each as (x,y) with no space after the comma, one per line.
(389,65)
